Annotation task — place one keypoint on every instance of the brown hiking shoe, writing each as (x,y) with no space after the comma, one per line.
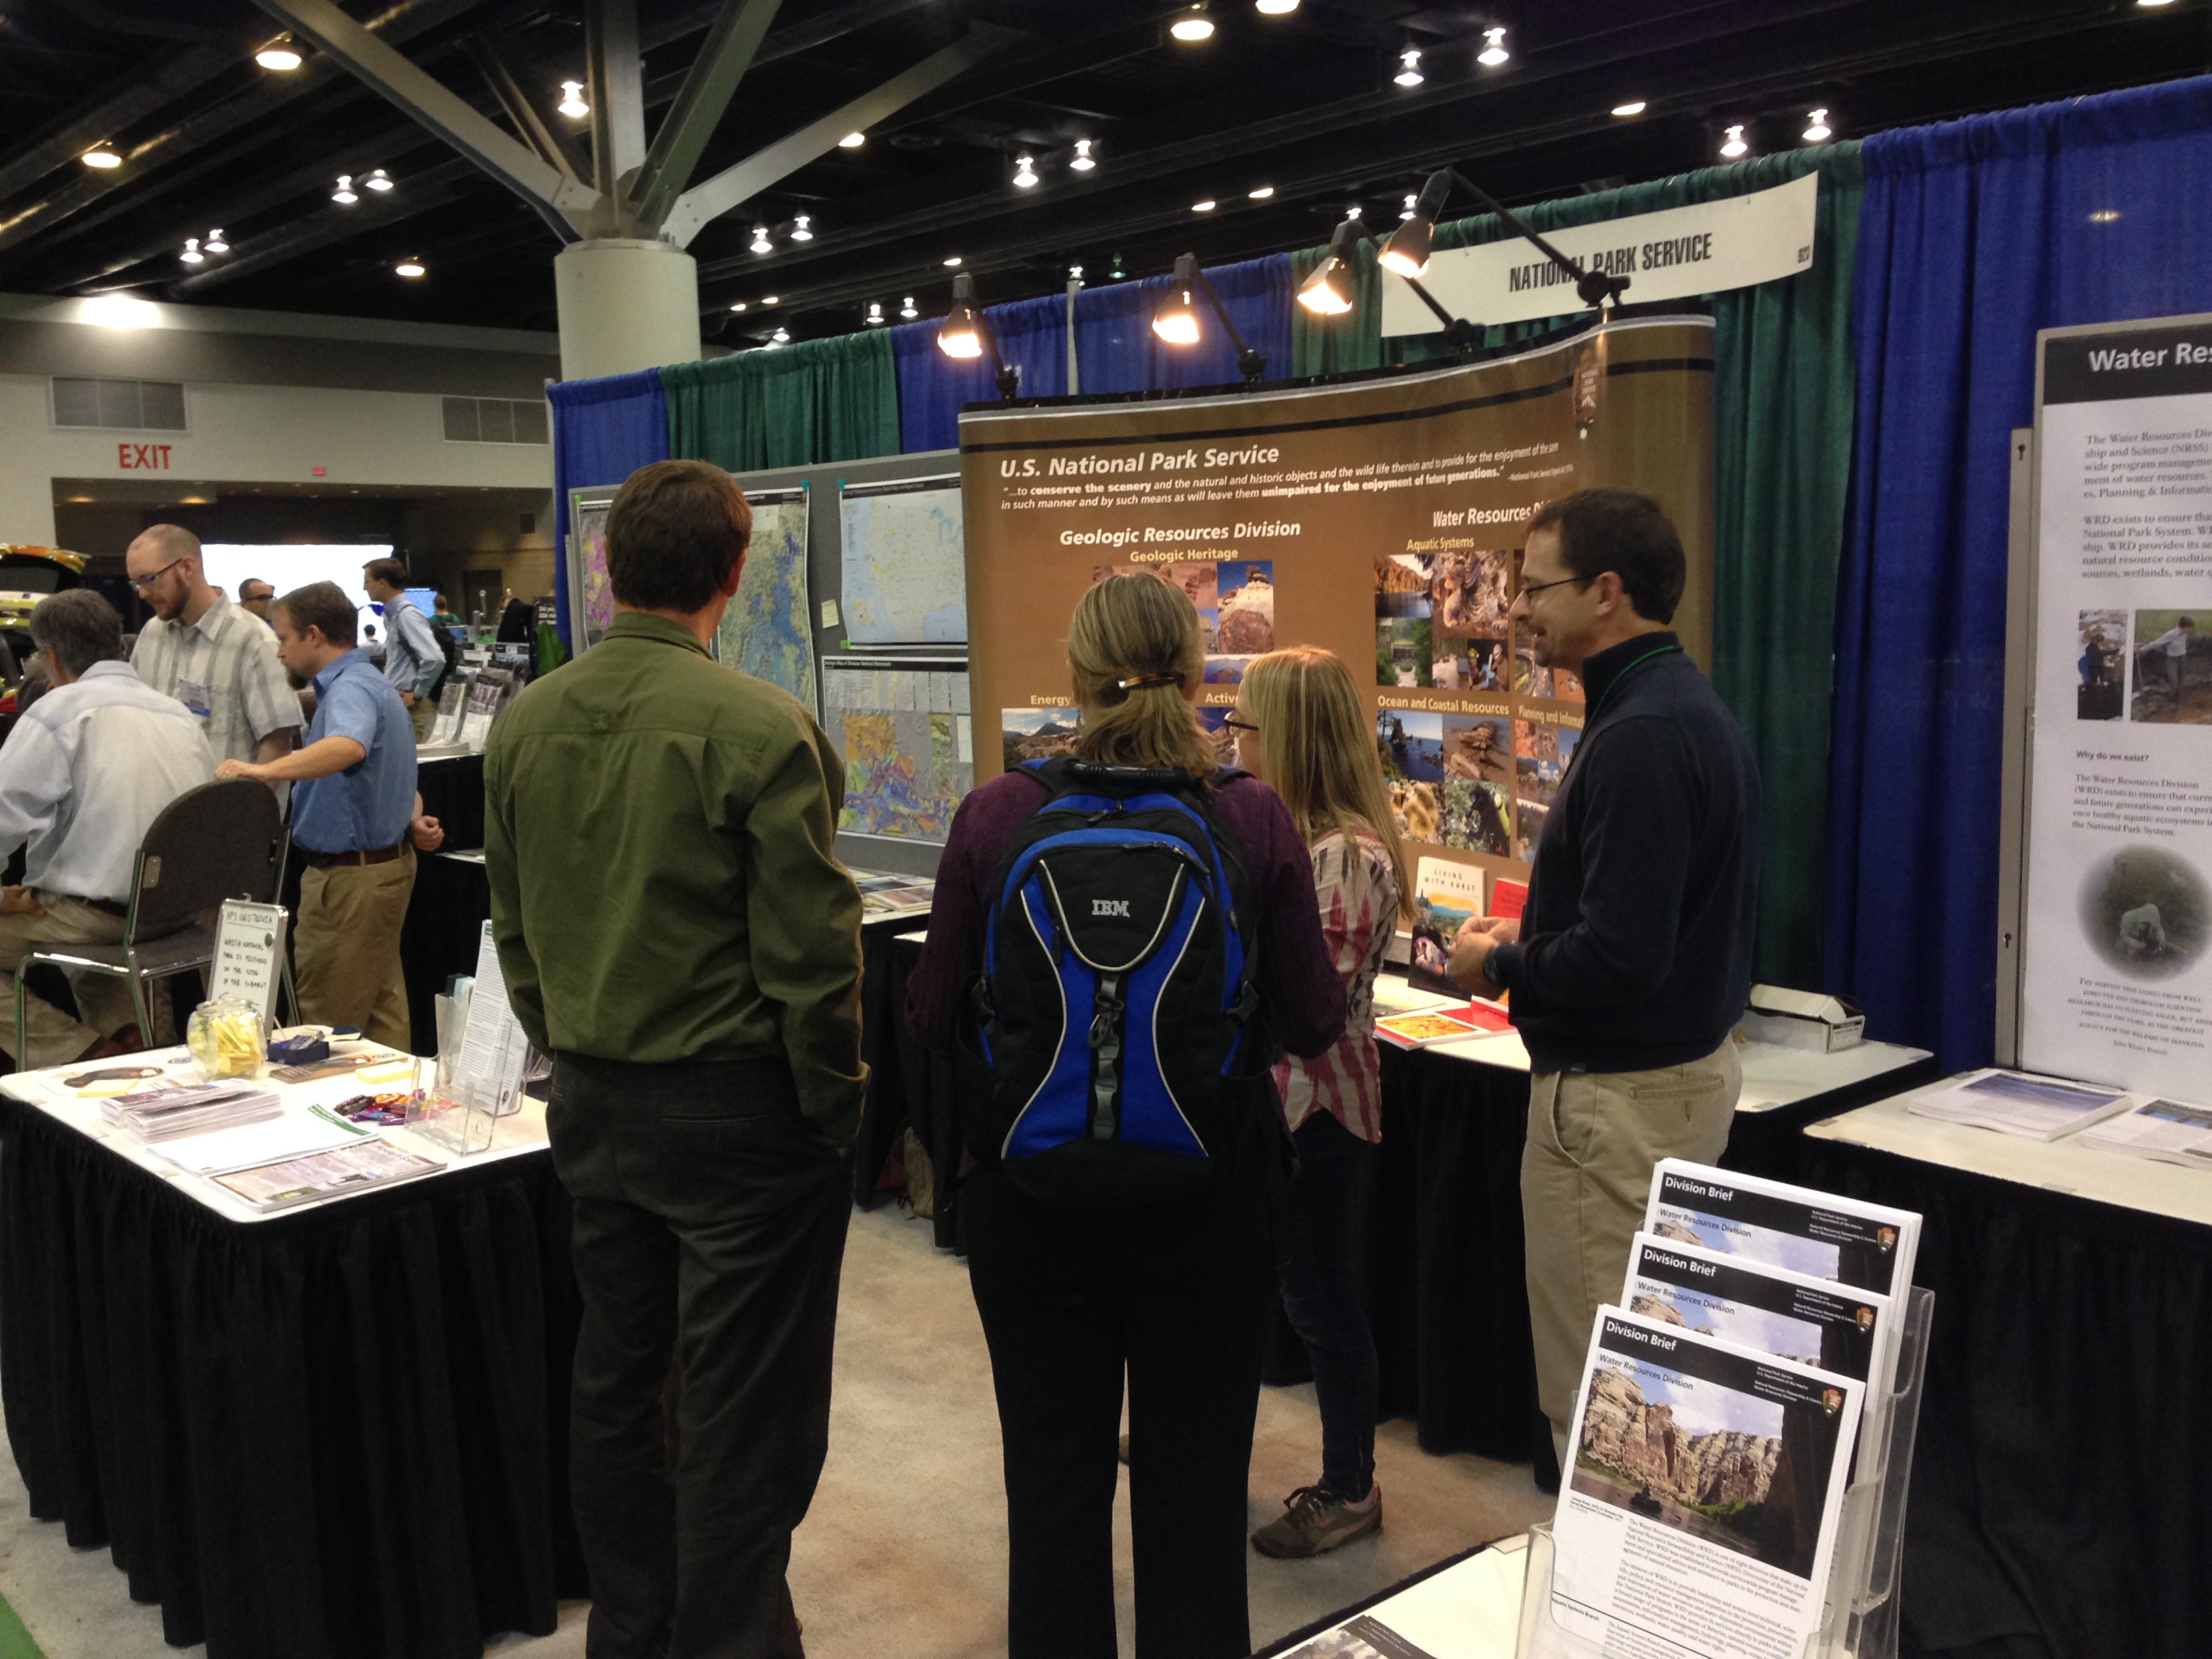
(1314,1521)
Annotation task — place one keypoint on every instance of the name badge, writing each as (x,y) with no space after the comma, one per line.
(193,694)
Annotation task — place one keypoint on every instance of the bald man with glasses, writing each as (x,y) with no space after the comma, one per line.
(216,659)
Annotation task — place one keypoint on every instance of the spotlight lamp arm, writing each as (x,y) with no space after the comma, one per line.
(1253,365)
(1593,288)
(1459,333)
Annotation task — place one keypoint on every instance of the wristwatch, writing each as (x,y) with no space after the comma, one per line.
(1489,958)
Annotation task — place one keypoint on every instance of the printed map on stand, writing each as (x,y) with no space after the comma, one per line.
(767,631)
(908,746)
(906,576)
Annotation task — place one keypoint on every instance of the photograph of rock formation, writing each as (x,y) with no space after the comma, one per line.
(1707,1460)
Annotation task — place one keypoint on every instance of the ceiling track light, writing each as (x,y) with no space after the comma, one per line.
(1193,26)
(799,232)
(1176,318)
(761,243)
(101,158)
(1205,206)
(771,299)
(1494,53)
(1409,68)
(214,243)
(1413,206)
(1733,147)
(1082,161)
(572,104)
(280,54)
(1024,172)
(875,318)
(952,262)
(1817,130)
(1633,107)
(782,337)
(344,195)
(408,268)
(1329,291)
(853,140)
(378,180)
(737,305)
(966,333)
(1262,193)
(192,255)
(906,309)
(1274,7)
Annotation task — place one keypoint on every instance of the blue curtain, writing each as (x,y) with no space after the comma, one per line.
(603,431)
(1975,234)
(1117,351)
(1031,333)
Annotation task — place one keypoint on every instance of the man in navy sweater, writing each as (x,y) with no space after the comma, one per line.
(1632,963)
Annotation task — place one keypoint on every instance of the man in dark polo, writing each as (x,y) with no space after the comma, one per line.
(675,930)
(1632,964)
(356,819)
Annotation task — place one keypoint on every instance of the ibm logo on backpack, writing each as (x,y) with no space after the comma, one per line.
(1110,907)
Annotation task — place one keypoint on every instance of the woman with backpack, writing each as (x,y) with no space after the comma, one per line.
(1116,936)
(1300,727)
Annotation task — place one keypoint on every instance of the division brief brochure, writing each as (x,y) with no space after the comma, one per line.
(2019,1104)
(1790,1316)
(1699,1513)
(1868,1246)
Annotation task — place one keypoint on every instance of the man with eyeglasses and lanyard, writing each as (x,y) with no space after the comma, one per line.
(213,656)
(1632,964)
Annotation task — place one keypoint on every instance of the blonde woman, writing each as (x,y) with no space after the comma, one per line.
(1174,1295)
(1300,726)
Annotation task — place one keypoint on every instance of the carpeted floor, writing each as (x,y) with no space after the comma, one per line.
(905,1551)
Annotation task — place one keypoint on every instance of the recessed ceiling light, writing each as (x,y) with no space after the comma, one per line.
(799,232)
(214,244)
(1274,7)
(101,156)
(906,307)
(1409,68)
(1495,52)
(1024,171)
(853,140)
(781,336)
(1082,161)
(737,305)
(408,268)
(1195,26)
(771,299)
(192,255)
(344,195)
(952,262)
(761,243)
(1411,202)
(280,55)
(378,180)
(875,316)
(573,106)
(1262,193)
(1634,107)
(1817,130)
(1733,147)
(1206,206)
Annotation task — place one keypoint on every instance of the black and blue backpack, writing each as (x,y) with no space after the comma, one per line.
(1117,1007)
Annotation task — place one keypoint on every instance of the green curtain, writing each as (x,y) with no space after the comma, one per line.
(1784,397)
(792,405)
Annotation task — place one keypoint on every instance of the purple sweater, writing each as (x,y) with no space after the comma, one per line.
(1304,998)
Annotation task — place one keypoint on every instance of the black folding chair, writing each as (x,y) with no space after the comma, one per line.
(220,841)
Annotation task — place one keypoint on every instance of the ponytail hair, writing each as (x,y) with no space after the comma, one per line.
(1317,749)
(1133,650)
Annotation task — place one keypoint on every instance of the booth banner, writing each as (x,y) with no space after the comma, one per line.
(2115,975)
(1381,520)
(1671,255)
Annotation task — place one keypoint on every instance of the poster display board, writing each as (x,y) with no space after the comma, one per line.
(593,600)
(901,725)
(2115,972)
(768,631)
(904,584)
(1381,519)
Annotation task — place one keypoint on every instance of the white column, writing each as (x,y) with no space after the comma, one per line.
(625,305)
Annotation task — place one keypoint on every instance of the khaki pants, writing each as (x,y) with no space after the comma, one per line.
(52,1037)
(1585,1176)
(424,713)
(347,947)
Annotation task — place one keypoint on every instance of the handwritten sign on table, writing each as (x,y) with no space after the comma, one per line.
(249,943)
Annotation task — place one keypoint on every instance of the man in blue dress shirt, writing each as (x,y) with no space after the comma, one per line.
(356,819)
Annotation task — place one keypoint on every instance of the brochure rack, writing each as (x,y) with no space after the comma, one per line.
(1862,1619)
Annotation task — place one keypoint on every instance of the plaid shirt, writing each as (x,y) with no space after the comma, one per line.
(229,657)
(1359,896)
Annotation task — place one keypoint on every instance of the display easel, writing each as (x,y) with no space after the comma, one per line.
(1861,1620)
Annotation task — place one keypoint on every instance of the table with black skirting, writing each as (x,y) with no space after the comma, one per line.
(341,1434)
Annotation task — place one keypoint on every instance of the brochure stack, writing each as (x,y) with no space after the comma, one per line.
(1742,1440)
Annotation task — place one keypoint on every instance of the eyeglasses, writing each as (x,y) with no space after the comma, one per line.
(142,583)
(1236,725)
(1538,588)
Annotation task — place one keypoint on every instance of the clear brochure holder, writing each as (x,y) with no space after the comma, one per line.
(1861,1617)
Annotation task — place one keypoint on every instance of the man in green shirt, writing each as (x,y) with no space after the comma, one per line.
(674,929)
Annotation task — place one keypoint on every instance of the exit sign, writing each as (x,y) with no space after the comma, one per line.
(143,458)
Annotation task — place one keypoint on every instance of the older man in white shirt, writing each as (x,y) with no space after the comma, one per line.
(83,777)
